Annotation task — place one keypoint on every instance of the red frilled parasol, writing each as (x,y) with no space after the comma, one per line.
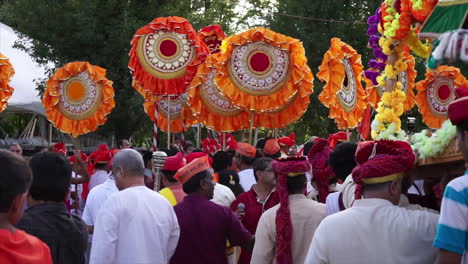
(165,55)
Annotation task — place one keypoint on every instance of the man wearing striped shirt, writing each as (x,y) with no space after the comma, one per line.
(452,232)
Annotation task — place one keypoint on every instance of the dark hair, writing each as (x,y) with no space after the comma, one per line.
(15,178)
(244,159)
(197,150)
(307,147)
(273,156)
(52,175)
(375,187)
(100,166)
(261,143)
(147,156)
(260,165)
(193,184)
(221,161)
(463,127)
(188,145)
(169,175)
(296,184)
(230,179)
(342,159)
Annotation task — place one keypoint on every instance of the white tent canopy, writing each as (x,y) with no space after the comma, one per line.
(25,97)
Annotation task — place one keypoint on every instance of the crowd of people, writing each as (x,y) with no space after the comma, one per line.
(329,202)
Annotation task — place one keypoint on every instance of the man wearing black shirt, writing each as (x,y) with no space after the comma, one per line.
(47,217)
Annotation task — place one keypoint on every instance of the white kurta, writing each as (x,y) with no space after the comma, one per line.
(247,179)
(135,225)
(375,231)
(96,198)
(306,215)
(223,195)
(98,177)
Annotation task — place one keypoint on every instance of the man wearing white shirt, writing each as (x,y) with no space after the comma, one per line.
(136,224)
(101,168)
(375,229)
(244,159)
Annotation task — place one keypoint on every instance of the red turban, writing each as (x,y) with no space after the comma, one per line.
(271,146)
(385,162)
(174,163)
(60,148)
(284,168)
(83,156)
(336,138)
(321,171)
(458,108)
(195,155)
(210,145)
(246,149)
(287,141)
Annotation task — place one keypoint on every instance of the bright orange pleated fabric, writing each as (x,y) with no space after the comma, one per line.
(101,104)
(6,72)
(436,92)
(346,100)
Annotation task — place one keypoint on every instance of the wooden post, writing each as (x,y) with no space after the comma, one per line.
(252,116)
(169,122)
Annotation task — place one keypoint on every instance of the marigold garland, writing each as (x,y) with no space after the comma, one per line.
(429,147)
(78,98)
(6,72)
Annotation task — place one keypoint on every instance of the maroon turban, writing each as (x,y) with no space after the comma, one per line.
(457,110)
(381,161)
(321,171)
(284,168)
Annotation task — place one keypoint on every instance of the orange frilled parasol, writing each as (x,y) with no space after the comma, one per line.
(343,93)
(78,98)
(209,105)
(6,72)
(407,79)
(260,70)
(436,92)
(213,36)
(165,55)
(160,110)
(285,115)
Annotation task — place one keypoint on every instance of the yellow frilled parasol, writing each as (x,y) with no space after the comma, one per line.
(407,79)
(436,92)
(161,109)
(260,70)
(165,55)
(6,72)
(343,93)
(78,98)
(209,105)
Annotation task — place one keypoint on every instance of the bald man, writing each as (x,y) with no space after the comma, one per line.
(136,224)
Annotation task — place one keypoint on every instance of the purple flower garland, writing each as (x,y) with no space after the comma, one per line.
(378,63)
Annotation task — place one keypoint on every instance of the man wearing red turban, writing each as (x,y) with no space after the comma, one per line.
(375,229)
(286,143)
(173,191)
(452,231)
(285,231)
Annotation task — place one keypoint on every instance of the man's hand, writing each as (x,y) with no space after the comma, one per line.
(240,213)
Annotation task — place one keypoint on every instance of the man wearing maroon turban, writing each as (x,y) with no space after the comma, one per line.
(452,231)
(375,229)
(285,231)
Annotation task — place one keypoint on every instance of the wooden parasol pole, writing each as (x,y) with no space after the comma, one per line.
(169,122)
(252,116)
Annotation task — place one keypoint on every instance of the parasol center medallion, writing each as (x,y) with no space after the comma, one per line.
(76,91)
(168,48)
(347,95)
(259,62)
(443,92)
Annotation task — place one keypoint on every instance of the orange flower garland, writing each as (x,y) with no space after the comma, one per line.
(436,92)
(209,105)
(165,55)
(407,78)
(78,98)
(343,93)
(6,72)
(180,114)
(260,70)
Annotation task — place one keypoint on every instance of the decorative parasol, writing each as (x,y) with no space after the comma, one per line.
(213,36)
(343,93)
(436,92)
(447,15)
(78,98)
(165,55)
(169,113)
(6,72)
(407,79)
(209,105)
(260,70)
(289,113)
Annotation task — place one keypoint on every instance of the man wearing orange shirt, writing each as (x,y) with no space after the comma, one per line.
(16,246)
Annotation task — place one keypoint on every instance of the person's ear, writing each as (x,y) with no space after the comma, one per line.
(17,208)
(203,185)
(394,187)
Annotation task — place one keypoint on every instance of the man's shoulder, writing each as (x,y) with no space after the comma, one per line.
(459,184)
